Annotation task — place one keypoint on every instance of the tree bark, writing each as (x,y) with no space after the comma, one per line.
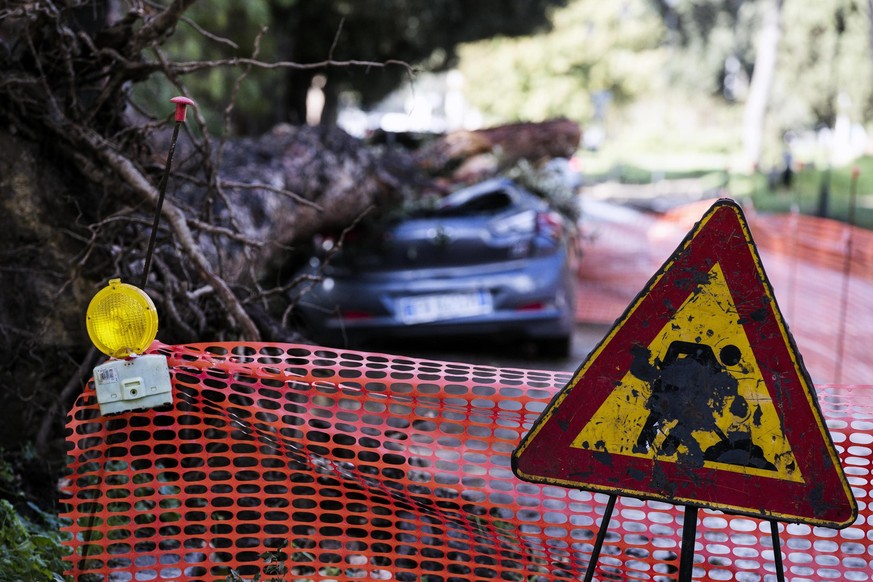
(504,145)
(755,112)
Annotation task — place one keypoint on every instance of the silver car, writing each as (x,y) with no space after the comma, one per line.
(491,259)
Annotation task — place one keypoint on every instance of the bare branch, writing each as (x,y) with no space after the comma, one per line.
(206,34)
(336,37)
(287,193)
(128,171)
(225,232)
(187,67)
(160,26)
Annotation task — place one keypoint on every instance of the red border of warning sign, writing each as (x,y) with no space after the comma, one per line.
(824,498)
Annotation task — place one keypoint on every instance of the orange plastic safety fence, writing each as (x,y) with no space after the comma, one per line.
(378,467)
(821,271)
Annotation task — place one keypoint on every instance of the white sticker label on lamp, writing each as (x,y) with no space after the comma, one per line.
(134,384)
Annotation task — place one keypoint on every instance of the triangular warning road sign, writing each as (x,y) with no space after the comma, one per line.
(697,396)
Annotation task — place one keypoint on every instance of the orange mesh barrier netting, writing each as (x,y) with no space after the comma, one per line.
(379,467)
(821,271)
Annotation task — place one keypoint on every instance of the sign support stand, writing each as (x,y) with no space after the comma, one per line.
(601,536)
(689,532)
(777,550)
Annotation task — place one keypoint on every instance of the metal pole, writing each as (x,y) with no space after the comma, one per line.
(777,551)
(824,193)
(601,536)
(847,272)
(795,257)
(689,532)
(181,106)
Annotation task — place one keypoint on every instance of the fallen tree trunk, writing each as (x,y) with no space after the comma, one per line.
(556,138)
(78,211)
(469,155)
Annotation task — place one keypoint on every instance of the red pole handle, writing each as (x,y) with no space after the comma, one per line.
(182,104)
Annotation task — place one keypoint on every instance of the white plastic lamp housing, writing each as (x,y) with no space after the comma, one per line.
(133,384)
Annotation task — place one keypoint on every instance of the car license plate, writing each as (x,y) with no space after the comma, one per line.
(425,308)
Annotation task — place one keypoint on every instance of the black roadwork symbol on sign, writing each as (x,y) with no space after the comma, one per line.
(690,389)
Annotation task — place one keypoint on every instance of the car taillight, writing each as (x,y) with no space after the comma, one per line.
(538,306)
(550,225)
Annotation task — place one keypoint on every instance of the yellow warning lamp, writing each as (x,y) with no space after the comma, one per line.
(122,320)
(122,323)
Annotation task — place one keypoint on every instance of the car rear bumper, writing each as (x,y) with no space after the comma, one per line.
(533,298)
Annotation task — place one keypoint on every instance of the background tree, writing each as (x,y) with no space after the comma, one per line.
(423,33)
(677,75)
(593,49)
(762,80)
(824,66)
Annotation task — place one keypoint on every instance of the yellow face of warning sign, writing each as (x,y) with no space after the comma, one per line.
(696,396)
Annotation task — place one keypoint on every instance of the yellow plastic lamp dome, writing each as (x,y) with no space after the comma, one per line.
(122,320)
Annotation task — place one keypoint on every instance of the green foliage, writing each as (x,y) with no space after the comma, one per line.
(824,54)
(274,566)
(549,183)
(702,35)
(657,62)
(594,47)
(763,190)
(234,30)
(29,552)
(805,193)
(678,71)
(30,538)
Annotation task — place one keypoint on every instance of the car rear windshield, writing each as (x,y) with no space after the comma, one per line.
(487,203)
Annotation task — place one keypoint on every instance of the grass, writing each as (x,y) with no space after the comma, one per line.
(828,192)
(821,191)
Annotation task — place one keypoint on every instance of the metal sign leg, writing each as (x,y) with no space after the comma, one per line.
(777,550)
(601,535)
(689,532)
